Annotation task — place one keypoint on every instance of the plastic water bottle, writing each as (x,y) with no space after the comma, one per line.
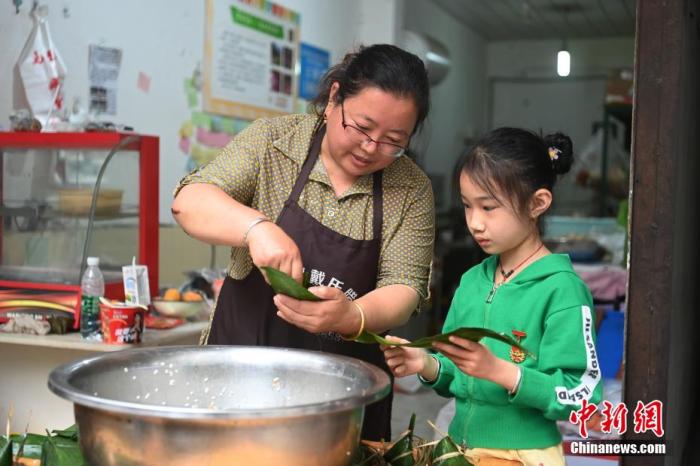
(92,286)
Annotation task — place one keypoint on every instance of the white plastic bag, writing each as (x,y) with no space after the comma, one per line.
(41,70)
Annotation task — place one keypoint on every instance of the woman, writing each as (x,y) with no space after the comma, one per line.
(331,194)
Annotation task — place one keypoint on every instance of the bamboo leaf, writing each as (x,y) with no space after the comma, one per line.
(447,453)
(371,338)
(286,285)
(401,452)
(5,451)
(70,433)
(470,333)
(27,445)
(367,456)
(61,451)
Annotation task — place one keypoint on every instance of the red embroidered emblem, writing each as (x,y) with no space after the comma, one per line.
(516,354)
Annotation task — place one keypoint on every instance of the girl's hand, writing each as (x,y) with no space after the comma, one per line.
(478,361)
(334,314)
(405,361)
(270,246)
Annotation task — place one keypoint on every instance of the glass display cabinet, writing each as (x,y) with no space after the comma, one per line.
(67,196)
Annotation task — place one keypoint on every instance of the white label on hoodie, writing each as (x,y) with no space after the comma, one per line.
(591,376)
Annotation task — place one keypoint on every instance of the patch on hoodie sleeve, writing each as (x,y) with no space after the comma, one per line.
(591,376)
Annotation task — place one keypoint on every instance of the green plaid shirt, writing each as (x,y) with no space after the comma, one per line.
(259,167)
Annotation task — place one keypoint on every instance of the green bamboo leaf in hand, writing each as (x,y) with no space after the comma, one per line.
(469,333)
(286,285)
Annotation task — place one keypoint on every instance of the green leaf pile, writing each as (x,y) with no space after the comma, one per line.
(367,456)
(5,451)
(401,452)
(447,453)
(62,449)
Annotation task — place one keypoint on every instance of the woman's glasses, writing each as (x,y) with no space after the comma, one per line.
(386,148)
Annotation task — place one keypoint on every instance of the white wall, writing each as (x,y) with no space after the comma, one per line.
(537,58)
(380,21)
(524,91)
(164,40)
(458,101)
(460,104)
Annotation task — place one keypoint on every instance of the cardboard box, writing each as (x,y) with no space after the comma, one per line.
(620,87)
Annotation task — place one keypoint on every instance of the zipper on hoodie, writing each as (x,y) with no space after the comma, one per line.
(470,382)
(492,293)
(489,300)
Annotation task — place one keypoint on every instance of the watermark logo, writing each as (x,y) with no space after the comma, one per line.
(612,419)
(647,417)
(615,448)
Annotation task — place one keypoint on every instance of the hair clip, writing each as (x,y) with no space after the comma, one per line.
(554,153)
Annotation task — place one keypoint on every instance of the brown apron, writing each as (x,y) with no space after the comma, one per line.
(246,315)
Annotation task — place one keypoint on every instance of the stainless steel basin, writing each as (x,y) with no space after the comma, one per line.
(219,405)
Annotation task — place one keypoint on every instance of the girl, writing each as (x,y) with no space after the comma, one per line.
(507,403)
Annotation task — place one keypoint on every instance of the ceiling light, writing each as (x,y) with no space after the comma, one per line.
(563,62)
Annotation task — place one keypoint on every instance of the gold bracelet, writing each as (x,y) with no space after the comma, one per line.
(362,323)
(250,227)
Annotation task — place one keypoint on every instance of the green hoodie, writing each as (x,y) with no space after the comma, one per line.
(553,307)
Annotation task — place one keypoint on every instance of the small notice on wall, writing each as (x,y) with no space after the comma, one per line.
(103,70)
(250,58)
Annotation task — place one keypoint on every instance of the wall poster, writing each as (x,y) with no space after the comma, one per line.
(314,63)
(251,55)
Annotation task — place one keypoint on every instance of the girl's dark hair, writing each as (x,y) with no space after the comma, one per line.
(517,163)
(383,66)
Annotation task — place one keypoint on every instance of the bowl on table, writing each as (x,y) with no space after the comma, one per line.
(180,309)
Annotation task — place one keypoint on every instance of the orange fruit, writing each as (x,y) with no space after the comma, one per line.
(172,294)
(191,296)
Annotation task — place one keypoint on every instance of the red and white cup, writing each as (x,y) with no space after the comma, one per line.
(121,323)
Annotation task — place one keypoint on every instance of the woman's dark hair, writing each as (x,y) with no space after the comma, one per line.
(383,66)
(517,162)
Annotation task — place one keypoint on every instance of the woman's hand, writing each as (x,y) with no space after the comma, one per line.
(404,361)
(477,360)
(270,246)
(335,313)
